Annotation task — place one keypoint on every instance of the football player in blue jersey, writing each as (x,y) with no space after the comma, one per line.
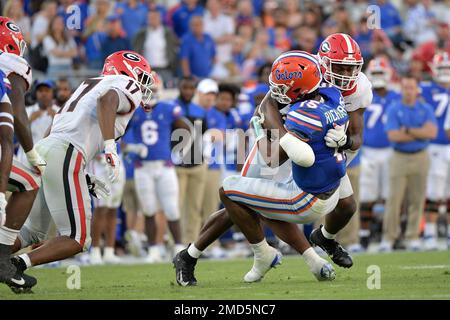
(437,94)
(374,180)
(155,177)
(298,208)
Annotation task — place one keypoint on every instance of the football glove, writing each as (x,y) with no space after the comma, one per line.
(336,137)
(112,160)
(97,187)
(36,160)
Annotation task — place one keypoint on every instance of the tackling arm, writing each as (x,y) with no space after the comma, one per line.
(355,130)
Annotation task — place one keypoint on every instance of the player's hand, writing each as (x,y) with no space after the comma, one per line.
(97,187)
(3,204)
(336,137)
(36,161)
(112,160)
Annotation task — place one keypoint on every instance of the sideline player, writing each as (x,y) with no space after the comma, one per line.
(376,150)
(437,94)
(97,113)
(155,177)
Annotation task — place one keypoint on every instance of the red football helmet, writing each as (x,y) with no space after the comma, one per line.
(379,72)
(294,74)
(133,65)
(341,60)
(441,67)
(11,38)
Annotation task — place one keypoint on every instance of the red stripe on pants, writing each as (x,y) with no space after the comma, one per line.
(26,176)
(80,202)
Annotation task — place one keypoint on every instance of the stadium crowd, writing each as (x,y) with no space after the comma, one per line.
(213,59)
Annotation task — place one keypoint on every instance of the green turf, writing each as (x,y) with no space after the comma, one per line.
(424,275)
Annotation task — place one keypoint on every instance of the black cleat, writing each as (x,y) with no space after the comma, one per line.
(332,248)
(184,268)
(20,282)
(7,269)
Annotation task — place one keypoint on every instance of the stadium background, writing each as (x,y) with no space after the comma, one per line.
(411,32)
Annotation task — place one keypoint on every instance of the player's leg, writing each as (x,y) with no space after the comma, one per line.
(132,208)
(167,192)
(325,235)
(67,197)
(98,227)
(24,184)
(435,203)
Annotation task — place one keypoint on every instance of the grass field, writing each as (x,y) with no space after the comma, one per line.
(424,275)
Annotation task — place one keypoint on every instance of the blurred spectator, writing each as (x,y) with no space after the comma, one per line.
(410,126)
(427,50)
(343,20)
(257,94)
(294,15)
(246,32)
(191,170)
(41,113)
(198,51)
(67,9)
(279,35)
(159,45)
(419,23)
(390,20)
(60,48)
(115,39)
(305,39)
(238,56)
(245,13)
(182,16)
(133,14)
(63,91)
(97,22)
(221,28)
(364,37)
(13,9)
(312,18)
(258,53)
(442,10)
(41,22)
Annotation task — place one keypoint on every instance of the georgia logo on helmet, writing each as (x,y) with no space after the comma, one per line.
(440,67)
(133,65)
(294,74)
(11,38)
(379,72)
(341,61)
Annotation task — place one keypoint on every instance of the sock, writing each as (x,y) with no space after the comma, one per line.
(8,236)
(260,247)
(96,251)
(109,251)
(430,230)
(24,261)
(312,259)
(193,251)
(326,234)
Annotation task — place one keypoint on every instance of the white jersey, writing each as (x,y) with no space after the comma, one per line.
(77,121)
(360,96)
(12,63)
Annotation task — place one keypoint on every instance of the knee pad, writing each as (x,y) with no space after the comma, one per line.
(28,237)
(172,212)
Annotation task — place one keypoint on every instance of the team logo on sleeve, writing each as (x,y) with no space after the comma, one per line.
(325,48)
(131,56)
(12,26)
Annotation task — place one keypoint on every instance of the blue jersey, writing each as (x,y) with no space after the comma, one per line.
(216,119)
(234,123)
(310,121)
(129,158)
(374,135)
(439,99)
(154,129)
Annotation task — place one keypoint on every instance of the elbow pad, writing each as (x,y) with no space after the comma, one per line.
(297,150)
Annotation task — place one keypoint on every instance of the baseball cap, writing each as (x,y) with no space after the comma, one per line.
(207,86)
(45,83)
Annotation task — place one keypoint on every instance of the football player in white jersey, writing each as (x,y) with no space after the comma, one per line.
(91,120)
(23,178)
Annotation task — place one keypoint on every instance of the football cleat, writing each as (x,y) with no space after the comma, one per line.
(184,268)
(20,282)
(338,254)
(261,265)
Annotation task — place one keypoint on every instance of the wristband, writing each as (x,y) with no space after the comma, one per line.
(348,144)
